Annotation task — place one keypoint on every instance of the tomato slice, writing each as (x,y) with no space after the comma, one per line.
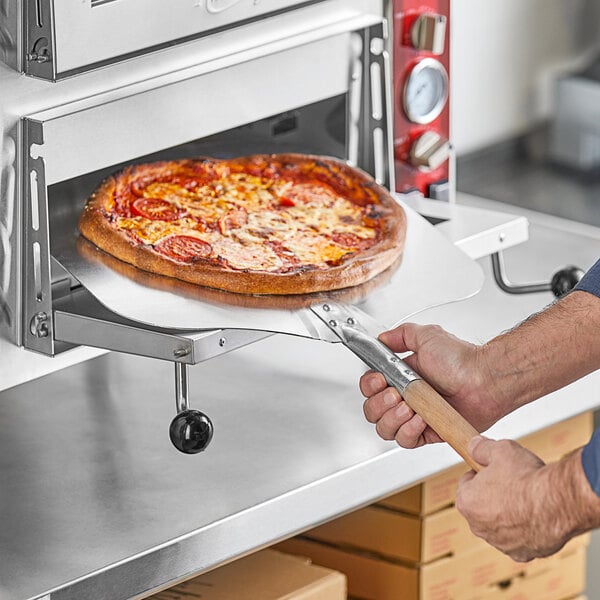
(156,209)
(183,248)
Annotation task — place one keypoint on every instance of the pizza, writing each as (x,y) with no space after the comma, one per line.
(262,224)
(349,295)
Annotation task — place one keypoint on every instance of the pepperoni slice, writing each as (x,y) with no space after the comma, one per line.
(311,193)
(156,209)
(183,248)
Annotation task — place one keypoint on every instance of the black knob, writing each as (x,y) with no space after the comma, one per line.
(191,431)
(565,280)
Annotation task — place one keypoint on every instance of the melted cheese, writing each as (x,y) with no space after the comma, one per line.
(249,256)
(302,230)
(312,248)
(151,231)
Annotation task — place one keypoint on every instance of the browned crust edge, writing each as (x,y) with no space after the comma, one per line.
(356,270)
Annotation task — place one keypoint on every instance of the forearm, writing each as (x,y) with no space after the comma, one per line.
(544,353)
(575,507)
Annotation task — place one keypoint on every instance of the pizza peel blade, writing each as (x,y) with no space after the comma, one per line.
(432,272)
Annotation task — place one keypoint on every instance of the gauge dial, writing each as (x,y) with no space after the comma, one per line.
(425,91)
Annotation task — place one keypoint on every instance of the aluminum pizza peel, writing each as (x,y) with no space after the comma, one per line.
(431,272)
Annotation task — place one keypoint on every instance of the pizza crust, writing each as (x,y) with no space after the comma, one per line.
(350,295)
(95,225)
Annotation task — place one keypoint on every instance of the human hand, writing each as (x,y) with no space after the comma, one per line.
(450,365)
(512,502)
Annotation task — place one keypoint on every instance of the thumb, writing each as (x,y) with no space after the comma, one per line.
(480,448)
(397,339)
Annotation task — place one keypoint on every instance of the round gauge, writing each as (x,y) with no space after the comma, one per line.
(425,91)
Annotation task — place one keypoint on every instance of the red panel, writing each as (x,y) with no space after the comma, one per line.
(404,57)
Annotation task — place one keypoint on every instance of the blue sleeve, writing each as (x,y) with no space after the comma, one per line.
(590,456)
(590,460)
(590,282)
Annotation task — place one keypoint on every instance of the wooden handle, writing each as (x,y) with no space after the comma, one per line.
(449,424)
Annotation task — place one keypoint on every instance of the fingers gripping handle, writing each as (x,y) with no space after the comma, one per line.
(449,424)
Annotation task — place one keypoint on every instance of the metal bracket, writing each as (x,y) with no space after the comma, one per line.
(81,320)
(38,39)
(37,295)
(370,137)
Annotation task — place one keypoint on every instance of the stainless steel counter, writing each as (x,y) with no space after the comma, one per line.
(95,503)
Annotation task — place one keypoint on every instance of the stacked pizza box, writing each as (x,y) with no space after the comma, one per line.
(415,545)
(264,575)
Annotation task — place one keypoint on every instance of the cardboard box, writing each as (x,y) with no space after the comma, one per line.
(471,576)
(550,444)
(265,575)
(400,536)
(563,580)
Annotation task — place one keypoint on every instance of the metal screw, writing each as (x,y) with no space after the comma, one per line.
(222,341)
(394,359)
(350,321)
(376,46)
(326,307)
(38,325)
(39,58)
(501,236)
(333,323)
(181,352)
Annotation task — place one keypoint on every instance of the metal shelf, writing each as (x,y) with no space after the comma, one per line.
(477,232)
(80,319)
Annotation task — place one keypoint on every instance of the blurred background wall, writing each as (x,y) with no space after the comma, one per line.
(506,55)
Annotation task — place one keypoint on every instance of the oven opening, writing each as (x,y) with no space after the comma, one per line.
(317,128)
